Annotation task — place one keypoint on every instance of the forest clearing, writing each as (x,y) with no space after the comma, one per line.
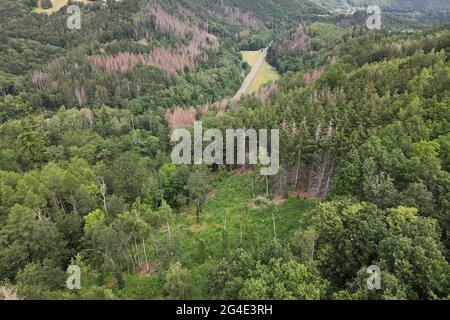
(265,74)
(57,5)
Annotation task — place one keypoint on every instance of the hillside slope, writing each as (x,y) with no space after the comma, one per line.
(393,5)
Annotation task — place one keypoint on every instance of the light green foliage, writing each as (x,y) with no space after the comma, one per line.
(94,218)
(198,187)
(178,283)
(284,281)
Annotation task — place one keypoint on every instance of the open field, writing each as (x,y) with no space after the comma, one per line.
(251,56)
(57,5)
(266,73)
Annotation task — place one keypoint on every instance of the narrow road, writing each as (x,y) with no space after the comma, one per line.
(252,75)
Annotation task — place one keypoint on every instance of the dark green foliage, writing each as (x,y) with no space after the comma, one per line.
(38,280)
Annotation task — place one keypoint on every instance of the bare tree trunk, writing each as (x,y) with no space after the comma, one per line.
(132,259)
(322,173)
(61,203)
(310,176)
(155,243)
(274,226)
(168,229)
(327,187)
(145,253)
(137,250)
(253,187)
(103,192)
(74,205)
(298,171)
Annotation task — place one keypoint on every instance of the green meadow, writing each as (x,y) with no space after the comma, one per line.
(266,74)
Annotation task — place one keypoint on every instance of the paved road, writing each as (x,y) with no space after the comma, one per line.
(252,75)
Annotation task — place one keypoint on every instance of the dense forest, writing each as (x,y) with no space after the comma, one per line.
(86,176)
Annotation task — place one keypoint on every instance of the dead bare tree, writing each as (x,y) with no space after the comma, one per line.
(103,192)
